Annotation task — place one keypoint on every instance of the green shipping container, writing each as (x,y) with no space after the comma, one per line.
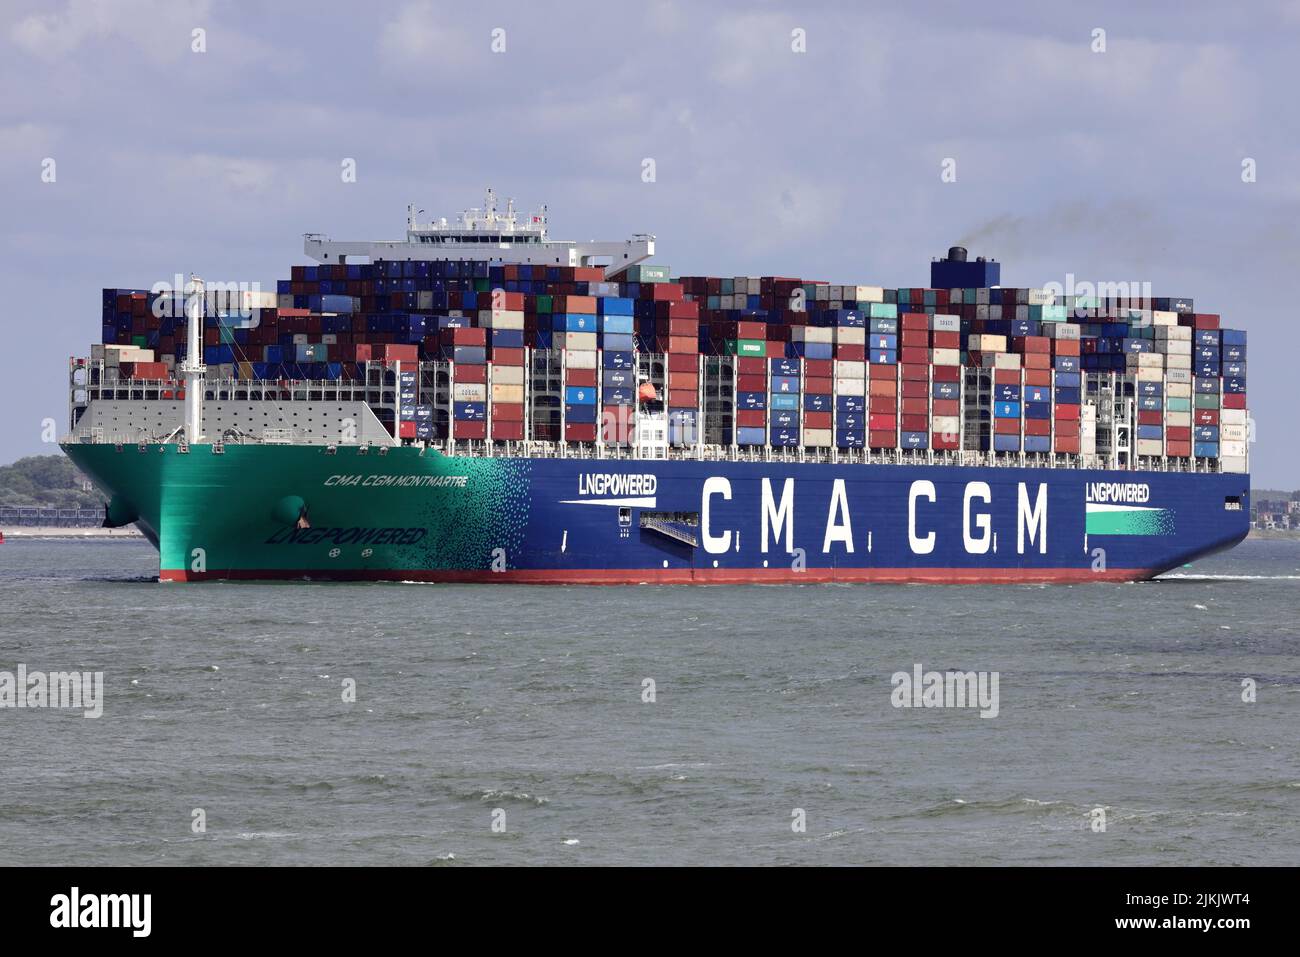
(644,273)
(138,341)
(1204,401)
(1174,404)
(543,304)
(746,347)
(884,310)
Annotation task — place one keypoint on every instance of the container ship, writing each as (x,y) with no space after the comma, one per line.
(480,402)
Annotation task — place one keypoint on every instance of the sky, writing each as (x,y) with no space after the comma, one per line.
(801,140)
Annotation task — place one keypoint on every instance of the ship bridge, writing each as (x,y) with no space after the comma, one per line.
(488,235)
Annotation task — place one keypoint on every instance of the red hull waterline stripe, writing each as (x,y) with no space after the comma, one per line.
(684,576)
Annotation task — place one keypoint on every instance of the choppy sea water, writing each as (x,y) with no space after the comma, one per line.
(477,700)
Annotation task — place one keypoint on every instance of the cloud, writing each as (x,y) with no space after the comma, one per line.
(161,29)
(421,34)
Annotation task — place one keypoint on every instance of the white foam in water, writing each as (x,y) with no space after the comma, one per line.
(1232,578)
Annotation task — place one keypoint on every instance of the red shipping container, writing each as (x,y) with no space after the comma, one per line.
(947,407)
(1205,320)
(1066,444)
(1041,377)
(752,383)
(682,399)
(1036,360)
(1031,344)
(678,327)
(910,355)
(663,291)
(817,420)
(914,406)
(750,330)
(887,404)
(749,365)
(914,320)
(1038,426)
(683,362)
(850,352)
(585,305)
(943,442)
(580,377)
(916,423)
(1006,426)
(882,386)
(1065,347)
(404,353)
(1150,417)
(684,344)
(882,420)
(580,431)
(918,372)
(506,429)
(885,439)
(915,389)
(467,336)
(685,380)
(819,369)
(1067,427)
(507,412)
(1206,416)
(467,430)
(751,418)
(818,386)
(947,374)
(1233,400)
(915,337)
(465,372)
(1006,377)
(1178,433)
(502,301)
(1067,412)
(406,430)
(945,340)
(506,357)
(1181,450)
(589,274)
(679,309)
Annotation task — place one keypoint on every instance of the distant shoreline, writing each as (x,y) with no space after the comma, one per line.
(16,533)
(1275,534)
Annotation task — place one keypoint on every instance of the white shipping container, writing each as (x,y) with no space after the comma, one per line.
(1174,332)
(851,335)
(869,294)
(850,369)
(811,333)
(988,343)
(945,357)
(1232,433)
(579,359)
(300,339)
(945,424)
(1145,360)
(329,338)
(468,392)
(818,437)
(1232,416)
(500,319)
(1179,375)
(1161,318)
(1150,374)
(1179,362)
(1232,464)
(1150,447)
(850,386)
(1232,449)
(944,323)
(502,392)
(286,301)
(1062,330)
(1174,347)
(1178,390)
(575,341)
(1006,360)
(1178,419)
(507,375)
(1041,297)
